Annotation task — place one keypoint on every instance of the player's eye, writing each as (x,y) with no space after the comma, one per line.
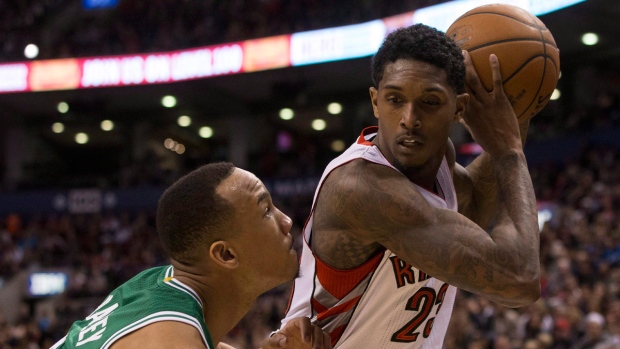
(267,211)
(393,99)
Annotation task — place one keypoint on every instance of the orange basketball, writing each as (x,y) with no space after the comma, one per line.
(527,53)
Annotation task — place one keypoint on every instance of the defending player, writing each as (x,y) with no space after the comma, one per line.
(216,224)
(396,223)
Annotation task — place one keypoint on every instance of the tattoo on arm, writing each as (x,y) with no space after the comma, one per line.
(365,207)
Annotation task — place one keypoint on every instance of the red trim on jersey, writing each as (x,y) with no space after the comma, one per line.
(340,282)
(366,131)
(336,333)
(339,309)
(318,307)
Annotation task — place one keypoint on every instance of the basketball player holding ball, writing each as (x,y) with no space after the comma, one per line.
(397,225)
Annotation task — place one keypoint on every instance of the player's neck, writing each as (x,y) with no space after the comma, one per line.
(423,176)
(225,306)
(225,302)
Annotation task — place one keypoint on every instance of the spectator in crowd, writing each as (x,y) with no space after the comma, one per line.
(595,335)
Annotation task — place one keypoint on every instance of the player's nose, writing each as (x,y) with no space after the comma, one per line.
(409,119)
(285,224)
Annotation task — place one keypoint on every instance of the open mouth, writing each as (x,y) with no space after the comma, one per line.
(410,141)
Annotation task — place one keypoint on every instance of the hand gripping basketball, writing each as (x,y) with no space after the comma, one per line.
(530,59)
(489,117)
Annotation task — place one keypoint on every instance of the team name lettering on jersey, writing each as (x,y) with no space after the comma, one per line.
(98,321)
(404,273)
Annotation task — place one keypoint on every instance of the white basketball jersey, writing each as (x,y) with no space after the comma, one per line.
(385,303)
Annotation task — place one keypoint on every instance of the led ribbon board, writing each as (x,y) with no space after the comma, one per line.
(310,47)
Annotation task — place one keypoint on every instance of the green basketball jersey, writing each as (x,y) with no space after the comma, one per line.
(151,296)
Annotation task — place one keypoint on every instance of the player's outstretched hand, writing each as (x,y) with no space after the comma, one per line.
(299,333)
(489,116)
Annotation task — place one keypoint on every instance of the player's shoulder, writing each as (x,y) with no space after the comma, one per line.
(354,179)
(361,181)
(360,169)
(163,334)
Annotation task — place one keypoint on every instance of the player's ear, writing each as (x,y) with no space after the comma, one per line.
(461,105)
(374,94)
(223,254)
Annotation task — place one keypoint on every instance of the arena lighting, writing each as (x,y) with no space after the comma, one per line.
(107,125)
(556,95)
(589,39)
(178,148)
(98,4)
(318,124)
(47,284)
(58,127)
(169,101)
(31,51)
(302,48)
(184,121)
(169,143)
(335,44)
(286,113)
(334,108)
(81,138)
(62,107)
(205,132)
(544,216)
(337,145)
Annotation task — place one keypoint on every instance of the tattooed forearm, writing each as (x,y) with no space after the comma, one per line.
(484,189)
(365,208)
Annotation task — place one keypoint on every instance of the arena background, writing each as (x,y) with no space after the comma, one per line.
(77,219)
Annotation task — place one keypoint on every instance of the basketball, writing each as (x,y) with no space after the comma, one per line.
(527,53)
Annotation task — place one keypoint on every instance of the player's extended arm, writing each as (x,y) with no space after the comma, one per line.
(491,121)
(485,116)
(163,334)
(476,185)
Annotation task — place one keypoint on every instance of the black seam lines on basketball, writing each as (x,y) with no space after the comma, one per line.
(523,65)
(503,15)
(509,40)
(542,38)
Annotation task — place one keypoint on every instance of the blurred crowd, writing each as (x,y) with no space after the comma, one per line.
(62,28)
(99,252)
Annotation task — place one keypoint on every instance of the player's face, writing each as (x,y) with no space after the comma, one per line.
(264,244)
(415,107)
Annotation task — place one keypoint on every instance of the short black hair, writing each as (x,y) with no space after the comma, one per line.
(423,43)
(190,213)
